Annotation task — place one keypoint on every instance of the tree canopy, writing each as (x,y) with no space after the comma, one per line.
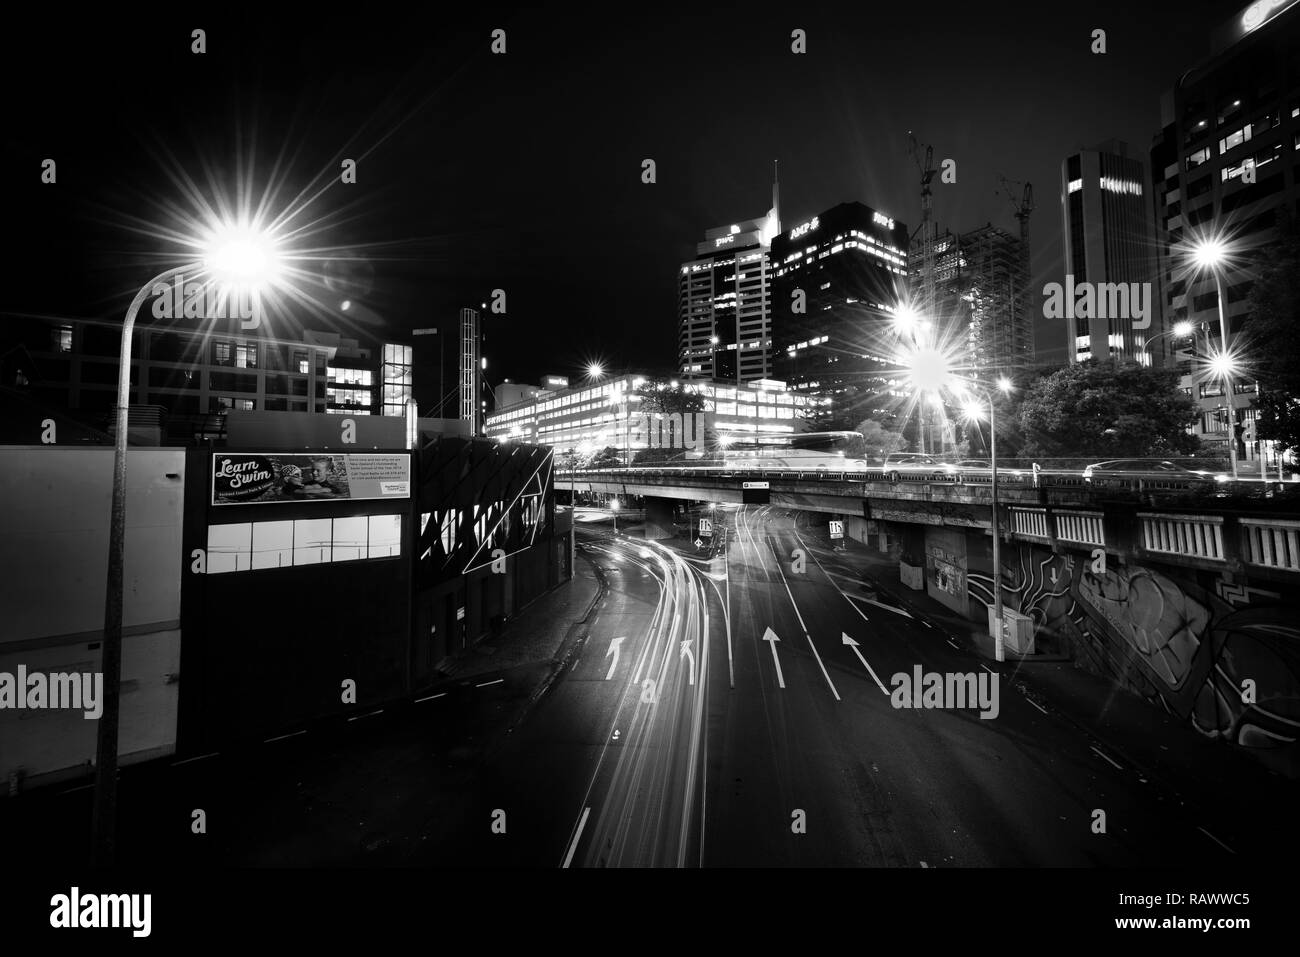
(1107,410)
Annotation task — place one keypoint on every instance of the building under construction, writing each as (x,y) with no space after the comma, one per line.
(982,303)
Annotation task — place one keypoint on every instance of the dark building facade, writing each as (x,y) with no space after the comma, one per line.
(323,583)
(1225,164)
(837,279)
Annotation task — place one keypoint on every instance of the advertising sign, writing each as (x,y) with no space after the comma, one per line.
(837,529)
(244,478)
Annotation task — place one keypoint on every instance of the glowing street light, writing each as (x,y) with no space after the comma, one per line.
(613,508)
(234,256)
(1183,328)
(595,371)
(928,369)
(1211,253)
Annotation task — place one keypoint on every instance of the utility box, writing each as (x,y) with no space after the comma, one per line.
(913,576)
(1017,631)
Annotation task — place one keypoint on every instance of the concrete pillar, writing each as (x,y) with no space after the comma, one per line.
(659,518)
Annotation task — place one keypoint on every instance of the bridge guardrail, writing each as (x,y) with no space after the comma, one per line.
(1021,479)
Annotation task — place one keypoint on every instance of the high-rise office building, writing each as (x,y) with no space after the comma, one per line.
(724,319)
(837,280)
(1106,223)
(1225,164)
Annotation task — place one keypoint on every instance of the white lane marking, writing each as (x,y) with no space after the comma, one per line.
(358,717)
(577,835)
(770,637)
(953,643)
(199,758)
(795,605)
(1216,840)
(987,668)
(613,650)
(858,651)
(484,684)
(440,694)
(292,734)
(1037,705)
(1107,759)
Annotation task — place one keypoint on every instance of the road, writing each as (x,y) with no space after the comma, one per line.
(732,707)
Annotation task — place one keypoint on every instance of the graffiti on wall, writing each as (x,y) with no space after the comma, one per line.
(1190,643)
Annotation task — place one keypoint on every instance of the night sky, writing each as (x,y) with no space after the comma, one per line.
(522,171)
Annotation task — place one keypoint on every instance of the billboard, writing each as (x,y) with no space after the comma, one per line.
(251,478)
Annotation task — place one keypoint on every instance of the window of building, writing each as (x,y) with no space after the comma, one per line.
(61,338)
(1196,159)
(1235,139)
(223,353)
(1211,389)
(246,355)
(301,361)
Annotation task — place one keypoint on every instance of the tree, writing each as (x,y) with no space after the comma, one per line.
(606,458)
(1270,340)
(661,397)
(1107,410)
(878,441)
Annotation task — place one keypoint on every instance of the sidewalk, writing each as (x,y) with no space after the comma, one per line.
(536,632)
(1238,801)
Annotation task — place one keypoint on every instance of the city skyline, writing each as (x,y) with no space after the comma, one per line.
(568,211)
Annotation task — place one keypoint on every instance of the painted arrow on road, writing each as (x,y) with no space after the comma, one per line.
(857,651)
(689,656)
(770,637)
(613,650)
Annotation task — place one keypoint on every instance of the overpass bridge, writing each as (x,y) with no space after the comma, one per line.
(1189,522)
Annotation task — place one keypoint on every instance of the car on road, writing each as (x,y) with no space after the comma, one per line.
(986,465)
(898,464)
(1151,470)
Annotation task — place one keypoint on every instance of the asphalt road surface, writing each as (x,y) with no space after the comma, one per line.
(732,706)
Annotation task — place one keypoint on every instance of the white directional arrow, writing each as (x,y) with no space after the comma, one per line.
(854,645)
(1053,576)
(689,656)
(770,637)
(613,650)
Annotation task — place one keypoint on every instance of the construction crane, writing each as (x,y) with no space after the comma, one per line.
(1023,204)
(926,171)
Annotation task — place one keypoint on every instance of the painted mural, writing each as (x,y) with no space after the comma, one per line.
(1187,642)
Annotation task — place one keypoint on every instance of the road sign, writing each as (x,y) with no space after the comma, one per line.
(706,528)
(837,529)
(745,485)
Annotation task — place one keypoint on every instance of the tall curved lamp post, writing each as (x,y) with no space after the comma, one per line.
(240,258)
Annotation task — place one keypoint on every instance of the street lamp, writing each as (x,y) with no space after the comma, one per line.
(1183,329)
(1210,254)
(595,371)
(234,256)
(613,508)
(974,410)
